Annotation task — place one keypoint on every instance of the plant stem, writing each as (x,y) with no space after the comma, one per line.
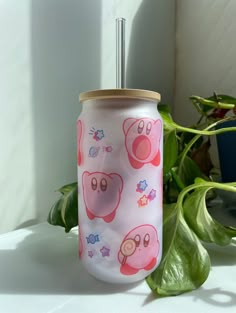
(203,132)
(213,104)
(225,186)
(177,180)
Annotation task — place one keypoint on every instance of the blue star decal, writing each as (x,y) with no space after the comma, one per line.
(141,186)
(99,134)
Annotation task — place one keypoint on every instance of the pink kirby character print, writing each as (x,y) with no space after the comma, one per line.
(142,141)
(79,142)
(102,194)
(139,250)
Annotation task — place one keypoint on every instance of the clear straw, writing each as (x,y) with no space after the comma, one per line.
(120,52)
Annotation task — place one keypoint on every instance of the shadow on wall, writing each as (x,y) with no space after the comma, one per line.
(153,36)
(65,47)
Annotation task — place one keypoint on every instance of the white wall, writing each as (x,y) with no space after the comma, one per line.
(205,55)
(205,52)
(150,44)
(16,124)
(45,62)
(50,51)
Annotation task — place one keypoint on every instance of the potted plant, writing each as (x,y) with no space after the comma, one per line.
(221,108)
(188,186)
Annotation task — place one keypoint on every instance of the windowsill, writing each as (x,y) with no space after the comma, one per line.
(40,272)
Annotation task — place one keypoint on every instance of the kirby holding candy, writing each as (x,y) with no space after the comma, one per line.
(139,250)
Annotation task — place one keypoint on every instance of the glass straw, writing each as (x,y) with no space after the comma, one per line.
(120,52)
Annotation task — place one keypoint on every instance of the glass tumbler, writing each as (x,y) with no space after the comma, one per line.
(119,157)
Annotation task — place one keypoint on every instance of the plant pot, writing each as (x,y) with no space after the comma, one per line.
(226,144)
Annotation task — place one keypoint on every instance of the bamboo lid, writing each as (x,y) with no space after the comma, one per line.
(120,93)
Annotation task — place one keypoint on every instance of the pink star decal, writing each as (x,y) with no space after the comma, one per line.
(105,251)
(143,201)
(152,195)
(90,254)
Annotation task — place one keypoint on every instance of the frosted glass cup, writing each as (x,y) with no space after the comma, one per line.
(119,156)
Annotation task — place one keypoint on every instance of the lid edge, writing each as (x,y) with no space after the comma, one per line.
(119,93)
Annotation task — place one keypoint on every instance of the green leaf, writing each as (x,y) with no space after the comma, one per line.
(223,98)
(206,104)
(168,122)
(201,222)
(65,211)
(188,171)
(164,108)
(186,137)
(170,151)
(185,263)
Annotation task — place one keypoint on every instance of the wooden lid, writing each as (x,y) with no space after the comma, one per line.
(120,93)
